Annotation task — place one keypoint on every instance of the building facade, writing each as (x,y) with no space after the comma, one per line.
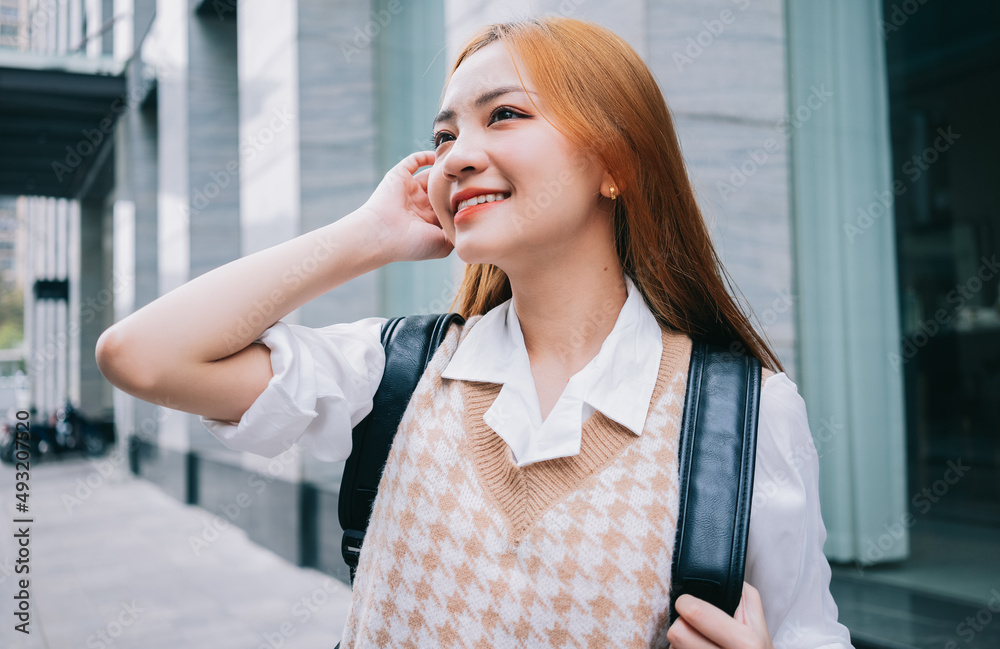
(840,152)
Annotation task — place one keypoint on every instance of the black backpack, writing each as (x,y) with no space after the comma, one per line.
(716,457)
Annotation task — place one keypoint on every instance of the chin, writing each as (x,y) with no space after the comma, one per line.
(472,252)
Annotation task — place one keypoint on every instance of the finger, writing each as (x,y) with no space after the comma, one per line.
(416,160)
(421,177)
(753,609)
(427,213)
(711,621)
(682,635)
(741,615)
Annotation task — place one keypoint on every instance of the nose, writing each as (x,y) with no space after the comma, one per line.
(465,155)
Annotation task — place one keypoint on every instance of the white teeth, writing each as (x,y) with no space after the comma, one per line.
(483,198)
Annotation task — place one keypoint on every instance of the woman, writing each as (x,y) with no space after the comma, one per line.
(530,495)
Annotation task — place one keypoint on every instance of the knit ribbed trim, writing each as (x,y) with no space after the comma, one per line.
(524,494)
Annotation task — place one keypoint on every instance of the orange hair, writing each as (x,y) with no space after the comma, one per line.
(607,102)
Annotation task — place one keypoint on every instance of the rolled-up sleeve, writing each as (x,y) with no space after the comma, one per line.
(785,559)
(323,384)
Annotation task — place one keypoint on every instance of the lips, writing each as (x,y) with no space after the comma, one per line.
(472,192)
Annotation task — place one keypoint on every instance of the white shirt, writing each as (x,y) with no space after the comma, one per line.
(619,381)
(324,380)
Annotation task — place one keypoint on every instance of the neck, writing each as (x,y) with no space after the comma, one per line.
(566,310)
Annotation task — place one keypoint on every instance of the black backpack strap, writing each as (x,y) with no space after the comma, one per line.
(409,344)
(718,443)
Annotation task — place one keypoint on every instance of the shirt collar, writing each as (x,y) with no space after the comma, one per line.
(618,381)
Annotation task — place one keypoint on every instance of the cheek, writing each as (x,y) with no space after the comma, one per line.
(437,192)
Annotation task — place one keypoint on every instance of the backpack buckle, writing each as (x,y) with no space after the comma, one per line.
(350,547)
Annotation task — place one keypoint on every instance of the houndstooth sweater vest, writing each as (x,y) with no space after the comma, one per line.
(464,549)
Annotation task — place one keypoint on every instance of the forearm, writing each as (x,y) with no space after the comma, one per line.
(225,310)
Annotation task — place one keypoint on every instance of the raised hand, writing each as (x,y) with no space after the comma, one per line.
(400,206)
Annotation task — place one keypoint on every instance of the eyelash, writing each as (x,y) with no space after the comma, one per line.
(498,109)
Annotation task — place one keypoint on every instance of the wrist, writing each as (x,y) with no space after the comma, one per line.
(370,237)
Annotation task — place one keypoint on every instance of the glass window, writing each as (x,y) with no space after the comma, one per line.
(944,71)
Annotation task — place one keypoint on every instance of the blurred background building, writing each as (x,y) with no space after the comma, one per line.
(843,153)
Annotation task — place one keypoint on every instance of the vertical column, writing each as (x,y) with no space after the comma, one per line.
(62,28)
(268,107)
(93,309)
(173,226)
(124,30)
(214,157)
(76,32)
(92,9)
(61,330)
(410,67)
(123,278)
(50,348)
(138,184)
(30,305)
(848,306)
(74,263)
(336,138)
(213,141)
(270,146)
(133,272)
(107,38)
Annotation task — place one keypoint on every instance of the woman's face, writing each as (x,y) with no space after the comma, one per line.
(490,139)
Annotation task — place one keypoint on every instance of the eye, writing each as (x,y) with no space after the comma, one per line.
(435,138)
(500,110)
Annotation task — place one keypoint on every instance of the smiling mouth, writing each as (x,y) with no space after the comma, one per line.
(482,198)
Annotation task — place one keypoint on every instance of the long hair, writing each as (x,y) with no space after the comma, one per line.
(605,100)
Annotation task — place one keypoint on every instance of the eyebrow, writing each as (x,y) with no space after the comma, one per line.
(448,114)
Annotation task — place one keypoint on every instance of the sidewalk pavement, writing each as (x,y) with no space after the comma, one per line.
(112,565)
